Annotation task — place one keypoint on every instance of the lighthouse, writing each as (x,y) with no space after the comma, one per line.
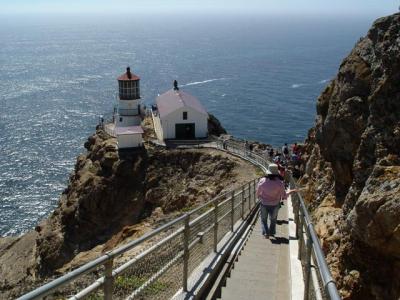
(128,111)
(126,121)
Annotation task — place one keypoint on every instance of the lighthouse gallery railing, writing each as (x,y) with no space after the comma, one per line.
(158,264)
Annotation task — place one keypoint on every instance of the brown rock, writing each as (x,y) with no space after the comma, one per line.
(354,148)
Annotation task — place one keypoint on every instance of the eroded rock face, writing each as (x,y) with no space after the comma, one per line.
(353,166)
(110,190)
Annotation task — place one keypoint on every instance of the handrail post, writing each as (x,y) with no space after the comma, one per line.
(307,265)
(232,209)
(296,210)
(300,235)
(108,280)
(254,192)
(243,202)
(248,196)
(249,188)
(215,225)
(186,236)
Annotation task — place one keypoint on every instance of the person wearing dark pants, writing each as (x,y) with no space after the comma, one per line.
(270,191)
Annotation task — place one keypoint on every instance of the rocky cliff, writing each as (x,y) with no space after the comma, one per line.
(112,197)
(353,166)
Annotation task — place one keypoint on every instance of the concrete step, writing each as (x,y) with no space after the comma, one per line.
(262,269)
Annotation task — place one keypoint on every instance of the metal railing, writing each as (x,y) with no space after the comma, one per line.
(315,269)
(159,264)
(157,126)
(162,260)
(128,111)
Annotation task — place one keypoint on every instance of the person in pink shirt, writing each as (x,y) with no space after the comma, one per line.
(270,191)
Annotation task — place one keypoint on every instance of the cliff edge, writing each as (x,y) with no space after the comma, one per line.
(352,169)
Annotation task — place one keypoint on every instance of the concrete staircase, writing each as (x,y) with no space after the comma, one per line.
(262,270)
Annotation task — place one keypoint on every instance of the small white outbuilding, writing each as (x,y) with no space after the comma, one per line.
(181,116)
(129,136)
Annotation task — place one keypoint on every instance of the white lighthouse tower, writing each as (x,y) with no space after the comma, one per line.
(126,125)
(128,112)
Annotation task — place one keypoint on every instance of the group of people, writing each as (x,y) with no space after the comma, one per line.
(271,189)
(285,155)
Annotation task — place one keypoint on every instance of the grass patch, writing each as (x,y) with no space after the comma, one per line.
(95,297)
(186,209)
(259,172)
(133,282)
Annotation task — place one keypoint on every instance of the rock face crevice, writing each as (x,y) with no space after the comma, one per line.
(352,168)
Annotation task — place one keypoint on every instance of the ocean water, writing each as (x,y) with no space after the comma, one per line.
(260,76)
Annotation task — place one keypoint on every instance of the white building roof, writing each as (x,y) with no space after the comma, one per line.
(128,130)
(173,100)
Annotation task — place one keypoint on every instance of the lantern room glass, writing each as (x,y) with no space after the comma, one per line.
(129,90)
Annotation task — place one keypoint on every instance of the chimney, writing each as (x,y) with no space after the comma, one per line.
(128,72)
(176,88)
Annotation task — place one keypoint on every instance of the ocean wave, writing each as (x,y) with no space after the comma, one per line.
(323,81)
(203,82)
(298,85)
(76,112)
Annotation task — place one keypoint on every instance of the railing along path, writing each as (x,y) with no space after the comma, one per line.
(158,264)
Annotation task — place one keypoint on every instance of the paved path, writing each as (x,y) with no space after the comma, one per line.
(262,271)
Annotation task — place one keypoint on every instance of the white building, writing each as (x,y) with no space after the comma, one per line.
(180,116)
(129,136)
(126,126)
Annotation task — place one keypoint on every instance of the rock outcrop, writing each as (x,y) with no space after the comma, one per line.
(353,166)
(113,196)
(214,126)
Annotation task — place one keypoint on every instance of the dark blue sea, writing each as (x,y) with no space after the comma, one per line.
(260,76)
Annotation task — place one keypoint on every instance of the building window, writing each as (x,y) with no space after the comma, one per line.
(120,119)
(185,115)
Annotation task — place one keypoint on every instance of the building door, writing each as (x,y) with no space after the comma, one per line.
(185,131)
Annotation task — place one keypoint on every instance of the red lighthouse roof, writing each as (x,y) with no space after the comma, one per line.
(128,76)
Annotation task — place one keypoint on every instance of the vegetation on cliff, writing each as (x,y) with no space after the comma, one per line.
(353,166)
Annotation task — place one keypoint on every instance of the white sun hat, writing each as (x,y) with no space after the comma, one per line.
(273,169)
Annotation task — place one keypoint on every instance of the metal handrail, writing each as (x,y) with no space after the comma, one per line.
(106,260)
(128,111)
(302,220)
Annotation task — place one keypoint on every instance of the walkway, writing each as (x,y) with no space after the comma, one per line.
(263,268)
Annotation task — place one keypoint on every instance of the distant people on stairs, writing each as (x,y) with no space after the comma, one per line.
(295,149)
(285,151)
(251,147)
(271,153)
(270,191)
